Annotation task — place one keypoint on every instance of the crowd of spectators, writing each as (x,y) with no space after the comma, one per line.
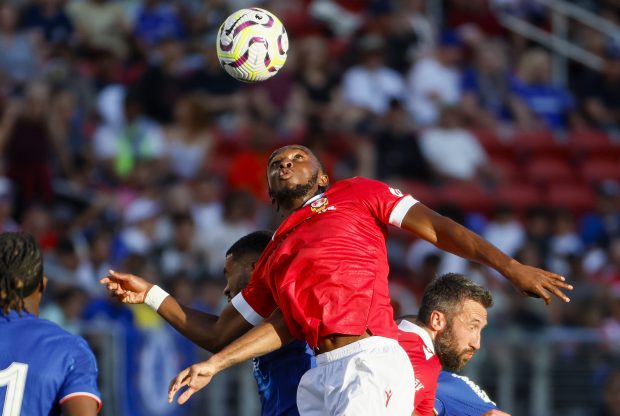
(126,146)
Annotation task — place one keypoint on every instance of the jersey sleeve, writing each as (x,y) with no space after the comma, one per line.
(389,205)
(255,302)
(81,378)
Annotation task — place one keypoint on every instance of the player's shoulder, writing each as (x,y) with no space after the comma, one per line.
(60,338)
(366,185)
(460,385)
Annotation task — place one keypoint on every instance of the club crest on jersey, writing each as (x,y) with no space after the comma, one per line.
(396,192)
(320,205)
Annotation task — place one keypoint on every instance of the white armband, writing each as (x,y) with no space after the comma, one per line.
(155,296)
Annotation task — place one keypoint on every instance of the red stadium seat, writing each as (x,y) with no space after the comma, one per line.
(421,191)
(588,143)
(507,168)
(467,196)
(578,198)
(518,196)
(544,170)
(539,143)
(595,170)
(493,144)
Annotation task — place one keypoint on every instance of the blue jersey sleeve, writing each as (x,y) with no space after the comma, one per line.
(459,396)
(81,379)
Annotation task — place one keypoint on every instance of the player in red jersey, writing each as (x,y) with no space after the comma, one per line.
(326,269)
(445,333)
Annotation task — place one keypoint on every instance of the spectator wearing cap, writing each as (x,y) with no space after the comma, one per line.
(369,86)
(536,101)
(435,81)
(600,93)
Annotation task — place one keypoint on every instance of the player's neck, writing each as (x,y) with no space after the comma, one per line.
(31,305)
(294,204)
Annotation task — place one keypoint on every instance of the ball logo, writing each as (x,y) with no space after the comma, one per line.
(396,192)
(319,205)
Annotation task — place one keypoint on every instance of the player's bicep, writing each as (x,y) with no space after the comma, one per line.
(80,406)
(422,221)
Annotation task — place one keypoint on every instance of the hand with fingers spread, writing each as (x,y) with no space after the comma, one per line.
(538,283)
(195,378)
(126,287)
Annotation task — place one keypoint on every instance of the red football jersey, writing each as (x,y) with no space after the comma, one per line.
(326,266)
(426,366)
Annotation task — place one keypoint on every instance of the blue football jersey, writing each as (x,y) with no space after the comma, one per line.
(41,366)
(459,396)
(278,374)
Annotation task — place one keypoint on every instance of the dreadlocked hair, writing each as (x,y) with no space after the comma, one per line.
(21,270)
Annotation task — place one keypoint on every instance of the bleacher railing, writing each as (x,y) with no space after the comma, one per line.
(557,40)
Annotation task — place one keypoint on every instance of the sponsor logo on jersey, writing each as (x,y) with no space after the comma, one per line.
(321,205)
(396,192)
(418,385)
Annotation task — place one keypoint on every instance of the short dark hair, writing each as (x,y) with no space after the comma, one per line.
(253,243)
(448,292)
(21,270)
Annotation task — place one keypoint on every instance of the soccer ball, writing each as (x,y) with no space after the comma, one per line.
(252,45)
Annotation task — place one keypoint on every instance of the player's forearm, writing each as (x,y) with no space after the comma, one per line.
(459,240)
(262,339)
(210,332)
(198,327)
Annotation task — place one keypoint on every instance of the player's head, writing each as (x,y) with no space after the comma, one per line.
(294,172)
(455,309)
(241,258)
(21,272)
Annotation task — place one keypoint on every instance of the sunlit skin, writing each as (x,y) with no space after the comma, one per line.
(291,167)
(459,338)
(294,176)
(237,273)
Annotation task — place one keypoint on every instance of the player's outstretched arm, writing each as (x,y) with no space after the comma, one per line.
(450,236)
(80,406)
(211,332)
(264,338)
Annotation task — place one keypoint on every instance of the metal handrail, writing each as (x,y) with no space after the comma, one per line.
(557,41)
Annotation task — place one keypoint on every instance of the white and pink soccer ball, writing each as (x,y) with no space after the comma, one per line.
(252,45)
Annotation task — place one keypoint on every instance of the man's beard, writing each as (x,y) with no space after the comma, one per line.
(445,347)
(285,197)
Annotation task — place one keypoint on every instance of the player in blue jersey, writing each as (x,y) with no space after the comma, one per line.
(44,370)
(459,396)
(277,373)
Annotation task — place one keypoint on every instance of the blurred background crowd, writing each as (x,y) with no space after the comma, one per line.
(125,145)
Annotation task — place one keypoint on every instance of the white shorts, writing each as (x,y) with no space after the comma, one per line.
(371,377)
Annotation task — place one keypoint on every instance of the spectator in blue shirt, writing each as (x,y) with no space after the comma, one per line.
(537,101)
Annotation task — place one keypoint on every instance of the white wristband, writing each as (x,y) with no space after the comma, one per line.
(155,296)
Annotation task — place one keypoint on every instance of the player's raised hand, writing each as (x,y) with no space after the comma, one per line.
(195,378)
(538,283)
(126,287)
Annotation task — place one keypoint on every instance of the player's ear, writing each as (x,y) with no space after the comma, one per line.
(323,180)
(43,284)
(438,321)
